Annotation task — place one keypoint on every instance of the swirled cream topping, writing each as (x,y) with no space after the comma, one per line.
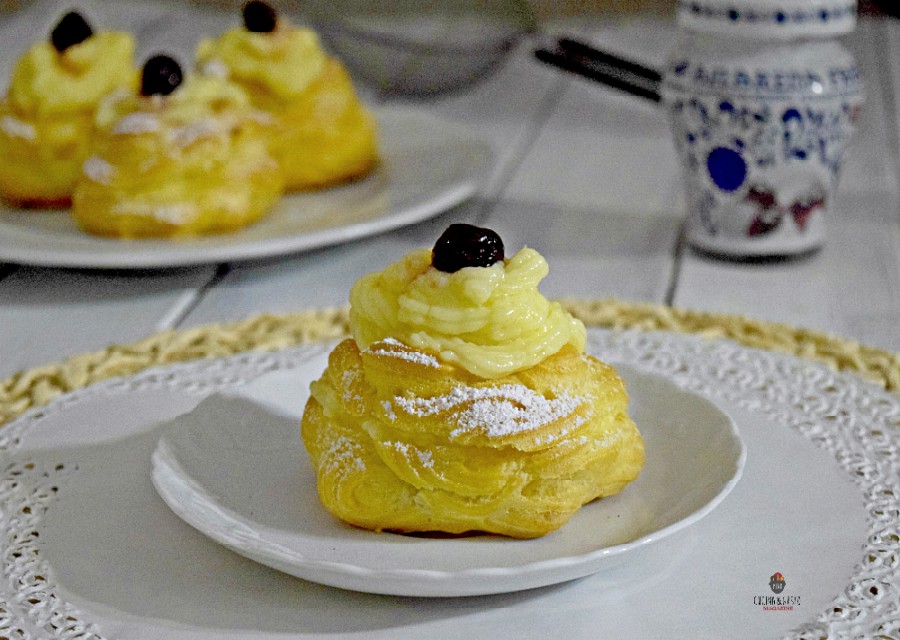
(47,82)
(491,321)
(284,62)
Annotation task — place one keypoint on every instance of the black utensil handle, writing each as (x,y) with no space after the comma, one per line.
(580,50)
(610,70)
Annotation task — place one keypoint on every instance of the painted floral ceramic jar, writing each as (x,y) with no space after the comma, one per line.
(760,119)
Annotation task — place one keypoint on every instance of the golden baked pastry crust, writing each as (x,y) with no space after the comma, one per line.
(403,442)
(41,157)
(46,117)
(177,166)
(325,135)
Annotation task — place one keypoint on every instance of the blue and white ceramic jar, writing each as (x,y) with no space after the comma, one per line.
(760,125)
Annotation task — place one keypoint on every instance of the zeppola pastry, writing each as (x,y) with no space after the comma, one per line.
(176,159)
(325,135)
(464,402)
(47,115)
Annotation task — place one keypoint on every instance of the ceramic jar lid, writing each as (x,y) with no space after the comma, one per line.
(768,18)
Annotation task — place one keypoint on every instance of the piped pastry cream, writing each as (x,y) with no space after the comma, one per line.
(326,135)
(491,321)
(47,115)
(464,402)
(177,159)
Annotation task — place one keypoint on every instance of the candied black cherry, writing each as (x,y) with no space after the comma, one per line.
(465,245)
(259,17)
(69,31)
(160,77)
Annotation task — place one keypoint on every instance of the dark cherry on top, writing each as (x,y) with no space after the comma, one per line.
(259,17)
(465,245)
(70,30)
(160,77)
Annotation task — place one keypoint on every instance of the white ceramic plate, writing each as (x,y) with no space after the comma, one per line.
(429,165)
(238,473)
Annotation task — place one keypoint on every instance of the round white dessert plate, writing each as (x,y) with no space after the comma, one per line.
(427,166)
(237,472)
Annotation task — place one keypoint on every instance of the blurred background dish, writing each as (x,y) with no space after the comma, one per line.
(420,55)
(407,48)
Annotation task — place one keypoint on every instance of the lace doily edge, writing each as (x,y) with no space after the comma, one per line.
(268,332)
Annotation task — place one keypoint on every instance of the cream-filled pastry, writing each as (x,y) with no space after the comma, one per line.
(46,117)
(177,159)
(325,134)
(464,402)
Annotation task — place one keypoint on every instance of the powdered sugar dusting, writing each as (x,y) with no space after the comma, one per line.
(389,410)
(343,453)
(402,447)
(494,411)
(172,214)
(553,437)
(425,458)
(189,134)
(419,357)
(215,67)
(98,170)
(137,123)
(15,128)
(348,379)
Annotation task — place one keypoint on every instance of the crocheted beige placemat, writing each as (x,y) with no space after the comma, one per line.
(39,386)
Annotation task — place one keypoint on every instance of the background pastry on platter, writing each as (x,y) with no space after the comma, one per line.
(325,134)
(176,159)
(464,400)
(47,114)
